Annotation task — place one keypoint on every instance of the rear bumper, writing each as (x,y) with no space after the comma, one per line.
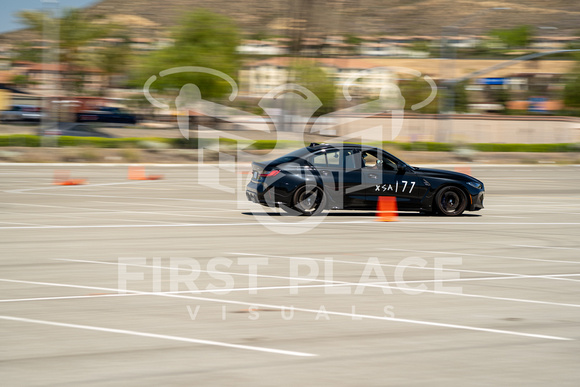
(254,198)
(255,193)
(267,195)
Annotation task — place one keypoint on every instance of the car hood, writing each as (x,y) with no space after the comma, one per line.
(442,174)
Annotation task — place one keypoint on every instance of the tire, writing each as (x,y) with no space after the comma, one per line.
(450,201)
(307,201)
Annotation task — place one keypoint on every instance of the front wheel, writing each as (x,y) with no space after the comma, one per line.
(450,201)
(307,201)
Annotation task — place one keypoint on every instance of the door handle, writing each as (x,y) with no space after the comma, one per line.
(372,176)
(324,173)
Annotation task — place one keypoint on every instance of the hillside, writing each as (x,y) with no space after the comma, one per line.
(362,17)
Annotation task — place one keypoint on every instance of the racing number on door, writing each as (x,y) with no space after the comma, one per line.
(396,188)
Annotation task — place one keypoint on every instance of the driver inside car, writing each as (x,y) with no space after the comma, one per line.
(369,161)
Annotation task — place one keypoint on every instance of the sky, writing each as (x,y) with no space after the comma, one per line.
(9,8)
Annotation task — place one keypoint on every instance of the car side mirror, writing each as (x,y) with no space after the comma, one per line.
(401,168)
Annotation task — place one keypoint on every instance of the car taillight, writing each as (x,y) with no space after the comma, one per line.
(270,174)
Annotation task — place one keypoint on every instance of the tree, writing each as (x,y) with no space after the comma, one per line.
(25,52)
(203,39)
(315,79)
(415,91)
(113,58)
(517,37)
(354,43)
(20,80)
(461,100)
(75,30)
(572,89)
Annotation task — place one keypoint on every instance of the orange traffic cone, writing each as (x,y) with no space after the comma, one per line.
(387,209)
(137,172)
(63,178)
(60,177)
(74,182)
(465,170)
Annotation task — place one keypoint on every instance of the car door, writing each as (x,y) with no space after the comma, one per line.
(382,176)
(341,177)
(354,195)
(379,178)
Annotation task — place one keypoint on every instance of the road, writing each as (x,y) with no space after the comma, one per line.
(178,282)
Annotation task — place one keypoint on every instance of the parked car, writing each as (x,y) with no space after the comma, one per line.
(107,114)
(75,130)
(21,113)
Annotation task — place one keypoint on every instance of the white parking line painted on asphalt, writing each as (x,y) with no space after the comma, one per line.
(298,224)
(26,224)
(548,247)
(314,311)
(168,225)
(478,255)
(181,208)
(77,187)
(506,217)
(157,336)
(57,298)
(410,267)
(98,211)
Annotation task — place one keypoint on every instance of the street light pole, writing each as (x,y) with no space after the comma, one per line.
(50,55)
(50,37)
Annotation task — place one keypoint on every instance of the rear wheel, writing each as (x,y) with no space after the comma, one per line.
(450,201)
(307,201)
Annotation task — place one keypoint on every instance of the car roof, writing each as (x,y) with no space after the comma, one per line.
(319,146)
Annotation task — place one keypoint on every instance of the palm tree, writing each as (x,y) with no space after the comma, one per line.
(76,31)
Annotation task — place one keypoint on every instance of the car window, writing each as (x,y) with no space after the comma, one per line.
(389,165)
(319,160)
(373,159)
(369,160)
(329,158)
(333,158)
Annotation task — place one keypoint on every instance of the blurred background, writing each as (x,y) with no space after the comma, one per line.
(502,78)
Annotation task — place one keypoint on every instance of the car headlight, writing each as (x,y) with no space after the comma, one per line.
(475,184)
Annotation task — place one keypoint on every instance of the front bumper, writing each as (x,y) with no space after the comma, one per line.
(476,201)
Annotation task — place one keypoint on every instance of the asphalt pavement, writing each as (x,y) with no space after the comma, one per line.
(181,281)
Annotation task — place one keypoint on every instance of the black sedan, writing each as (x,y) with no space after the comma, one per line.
(74,130)
(354,177)
(108,115)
